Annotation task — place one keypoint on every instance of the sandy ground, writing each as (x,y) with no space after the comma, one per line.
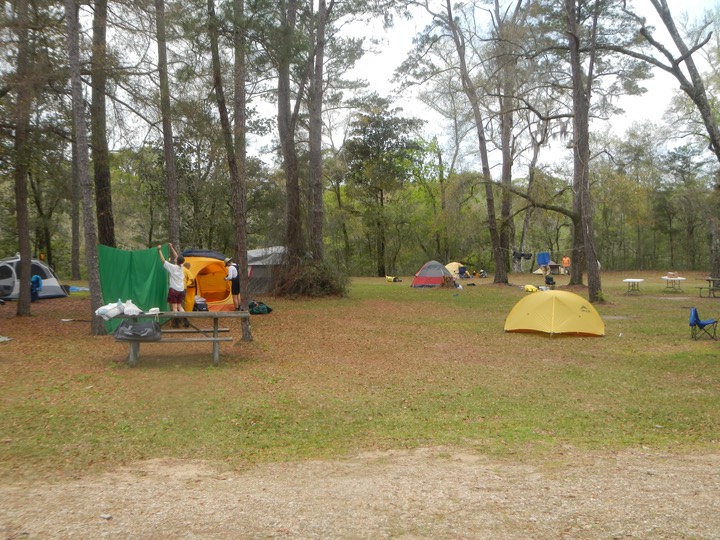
(426,493)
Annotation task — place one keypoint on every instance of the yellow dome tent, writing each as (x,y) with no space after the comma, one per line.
(454,268)
(458,270)
(208,271)
(555,312)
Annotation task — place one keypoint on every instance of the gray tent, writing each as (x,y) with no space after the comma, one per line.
(262,265)
(10,279)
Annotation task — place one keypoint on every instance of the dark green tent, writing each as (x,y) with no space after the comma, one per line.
(133,275)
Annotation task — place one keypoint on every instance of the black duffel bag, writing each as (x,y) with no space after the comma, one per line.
(138,331)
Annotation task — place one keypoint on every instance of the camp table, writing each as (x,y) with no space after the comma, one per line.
(673,283)
(633,285)
(207,334)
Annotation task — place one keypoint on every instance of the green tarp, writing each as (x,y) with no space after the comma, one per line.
(132,275)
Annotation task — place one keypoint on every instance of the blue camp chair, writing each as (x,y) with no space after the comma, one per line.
(698,327)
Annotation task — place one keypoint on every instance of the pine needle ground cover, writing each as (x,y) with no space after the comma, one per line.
(387,367)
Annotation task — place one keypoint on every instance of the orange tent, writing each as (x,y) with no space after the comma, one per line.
(208,272)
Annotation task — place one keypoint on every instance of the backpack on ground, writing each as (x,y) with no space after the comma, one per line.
(258,308)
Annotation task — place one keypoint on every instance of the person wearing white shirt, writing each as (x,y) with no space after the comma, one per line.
(234,278)
(176,292)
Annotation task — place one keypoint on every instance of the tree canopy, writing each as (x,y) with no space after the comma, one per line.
(238,124)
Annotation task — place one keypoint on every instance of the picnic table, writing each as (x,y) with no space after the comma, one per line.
(712,287)
(179,335)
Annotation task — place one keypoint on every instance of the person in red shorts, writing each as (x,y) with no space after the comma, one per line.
(176,292)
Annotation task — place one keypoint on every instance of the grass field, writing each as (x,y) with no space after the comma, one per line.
(387,367)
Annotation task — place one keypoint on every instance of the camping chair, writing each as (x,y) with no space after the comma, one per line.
(699,327)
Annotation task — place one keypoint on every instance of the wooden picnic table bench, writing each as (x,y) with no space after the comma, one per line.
(712,292)
(169,335)
(712,288)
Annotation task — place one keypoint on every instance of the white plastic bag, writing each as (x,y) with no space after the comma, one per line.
(131,309)
(109,311)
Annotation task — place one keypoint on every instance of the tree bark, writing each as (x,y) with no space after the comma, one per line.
(170,172)
(236,180)
(97,325)
(75,214)
(500,258)
(22,154)
(507,71)
(315,133)
(581,93)
(98,120)
(239,189)
(286,132)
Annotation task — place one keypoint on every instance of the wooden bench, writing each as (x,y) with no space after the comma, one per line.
(712,292)
(211,335)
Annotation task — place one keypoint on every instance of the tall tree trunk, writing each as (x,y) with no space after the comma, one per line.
(286,131)
(236,180)
(98,120)
(45,210)
(506,90)
(506,123)
(499,257)
(97,325)
(315,133)
(581,91)
(444,235)
(75,214)
(380,238)
(347,249)
(715,245)
(22,154)
(170,173)
(239,189)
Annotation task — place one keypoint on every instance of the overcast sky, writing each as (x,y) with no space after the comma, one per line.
(378,69)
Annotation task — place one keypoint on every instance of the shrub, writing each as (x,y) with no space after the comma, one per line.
(310,278)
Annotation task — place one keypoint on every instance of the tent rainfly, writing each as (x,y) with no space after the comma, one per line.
(263,264)
(555,312)
(432,274)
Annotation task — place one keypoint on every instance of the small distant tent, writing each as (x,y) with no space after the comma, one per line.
(543,259)
(432,274)
(263,265)
(457,269)
(10,279)
(554,268)
(555,312)
(208,271)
